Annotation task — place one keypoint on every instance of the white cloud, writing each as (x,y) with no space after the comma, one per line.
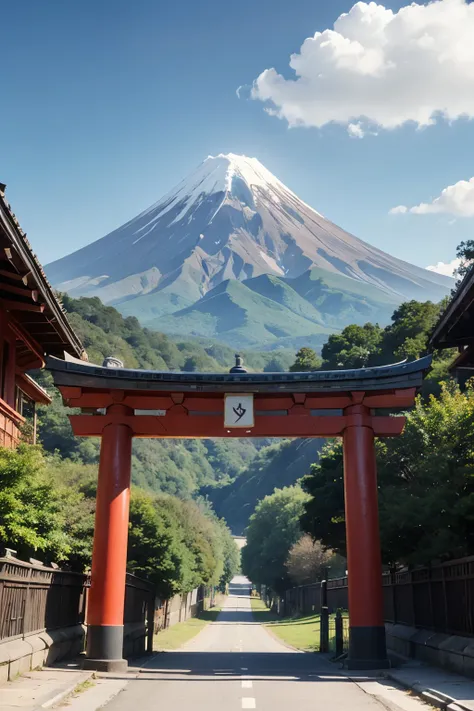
(379,66)
(399,210)
(355,130)
(457,199)
(446,268)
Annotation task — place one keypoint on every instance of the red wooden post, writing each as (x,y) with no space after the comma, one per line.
(367,646)
(109,557)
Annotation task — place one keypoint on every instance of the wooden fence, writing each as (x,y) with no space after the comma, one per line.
(438,598)
(35,598)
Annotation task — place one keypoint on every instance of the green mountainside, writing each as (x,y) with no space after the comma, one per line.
(274,467)
(239,316)
(270,311)
(344,300)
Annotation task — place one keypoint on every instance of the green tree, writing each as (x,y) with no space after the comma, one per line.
(354,347)
(273,529)
(307,360)
(465,252)
(155,546)
(76,485)
(323,516)
(426,485)
(231,556)
(178,545)
(407,335)
(274,365)
(32,517)
(202,538)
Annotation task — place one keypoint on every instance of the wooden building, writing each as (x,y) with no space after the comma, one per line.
(455,329)
(33,324)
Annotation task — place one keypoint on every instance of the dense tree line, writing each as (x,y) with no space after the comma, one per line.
(406,337)
(47,507)
(426,485)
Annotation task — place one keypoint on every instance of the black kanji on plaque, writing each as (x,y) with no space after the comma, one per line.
(239,411)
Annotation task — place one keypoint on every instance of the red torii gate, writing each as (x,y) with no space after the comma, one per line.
(118,404)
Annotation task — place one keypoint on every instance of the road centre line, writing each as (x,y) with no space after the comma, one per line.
(248,703)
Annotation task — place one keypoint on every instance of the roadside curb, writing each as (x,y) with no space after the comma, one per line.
(431,696)
(59,696)
(82,676)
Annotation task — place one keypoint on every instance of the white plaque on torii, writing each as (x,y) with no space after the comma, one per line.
(238,411)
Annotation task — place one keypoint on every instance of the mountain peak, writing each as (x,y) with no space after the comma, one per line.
(250,170)
(224,174)
(232,219)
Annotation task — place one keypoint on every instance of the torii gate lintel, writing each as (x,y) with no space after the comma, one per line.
(118,404)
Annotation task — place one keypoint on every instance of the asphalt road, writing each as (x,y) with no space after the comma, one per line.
(235,663)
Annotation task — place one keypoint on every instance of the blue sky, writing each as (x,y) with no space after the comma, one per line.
(106,105)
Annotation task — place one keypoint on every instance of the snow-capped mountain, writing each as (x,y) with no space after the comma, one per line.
(232,219)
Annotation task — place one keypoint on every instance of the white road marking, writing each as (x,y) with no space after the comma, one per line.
(248,703)
(244,668)
(246,684)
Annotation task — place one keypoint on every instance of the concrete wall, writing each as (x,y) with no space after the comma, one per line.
(182,607)
(24,654)
(451,652)
(18,656)
(134,639)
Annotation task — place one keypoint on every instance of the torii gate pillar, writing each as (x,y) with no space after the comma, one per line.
(367,645)
(109,556)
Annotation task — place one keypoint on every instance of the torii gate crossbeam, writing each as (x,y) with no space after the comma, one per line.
(118,404)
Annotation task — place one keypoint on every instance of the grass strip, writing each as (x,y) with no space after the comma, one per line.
(299,632)
(180,633)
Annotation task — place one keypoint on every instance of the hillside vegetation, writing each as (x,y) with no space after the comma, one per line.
(178,467)
(275,466)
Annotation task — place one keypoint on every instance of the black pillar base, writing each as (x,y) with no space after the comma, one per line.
(367,648)
(119,666)
(104,648)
